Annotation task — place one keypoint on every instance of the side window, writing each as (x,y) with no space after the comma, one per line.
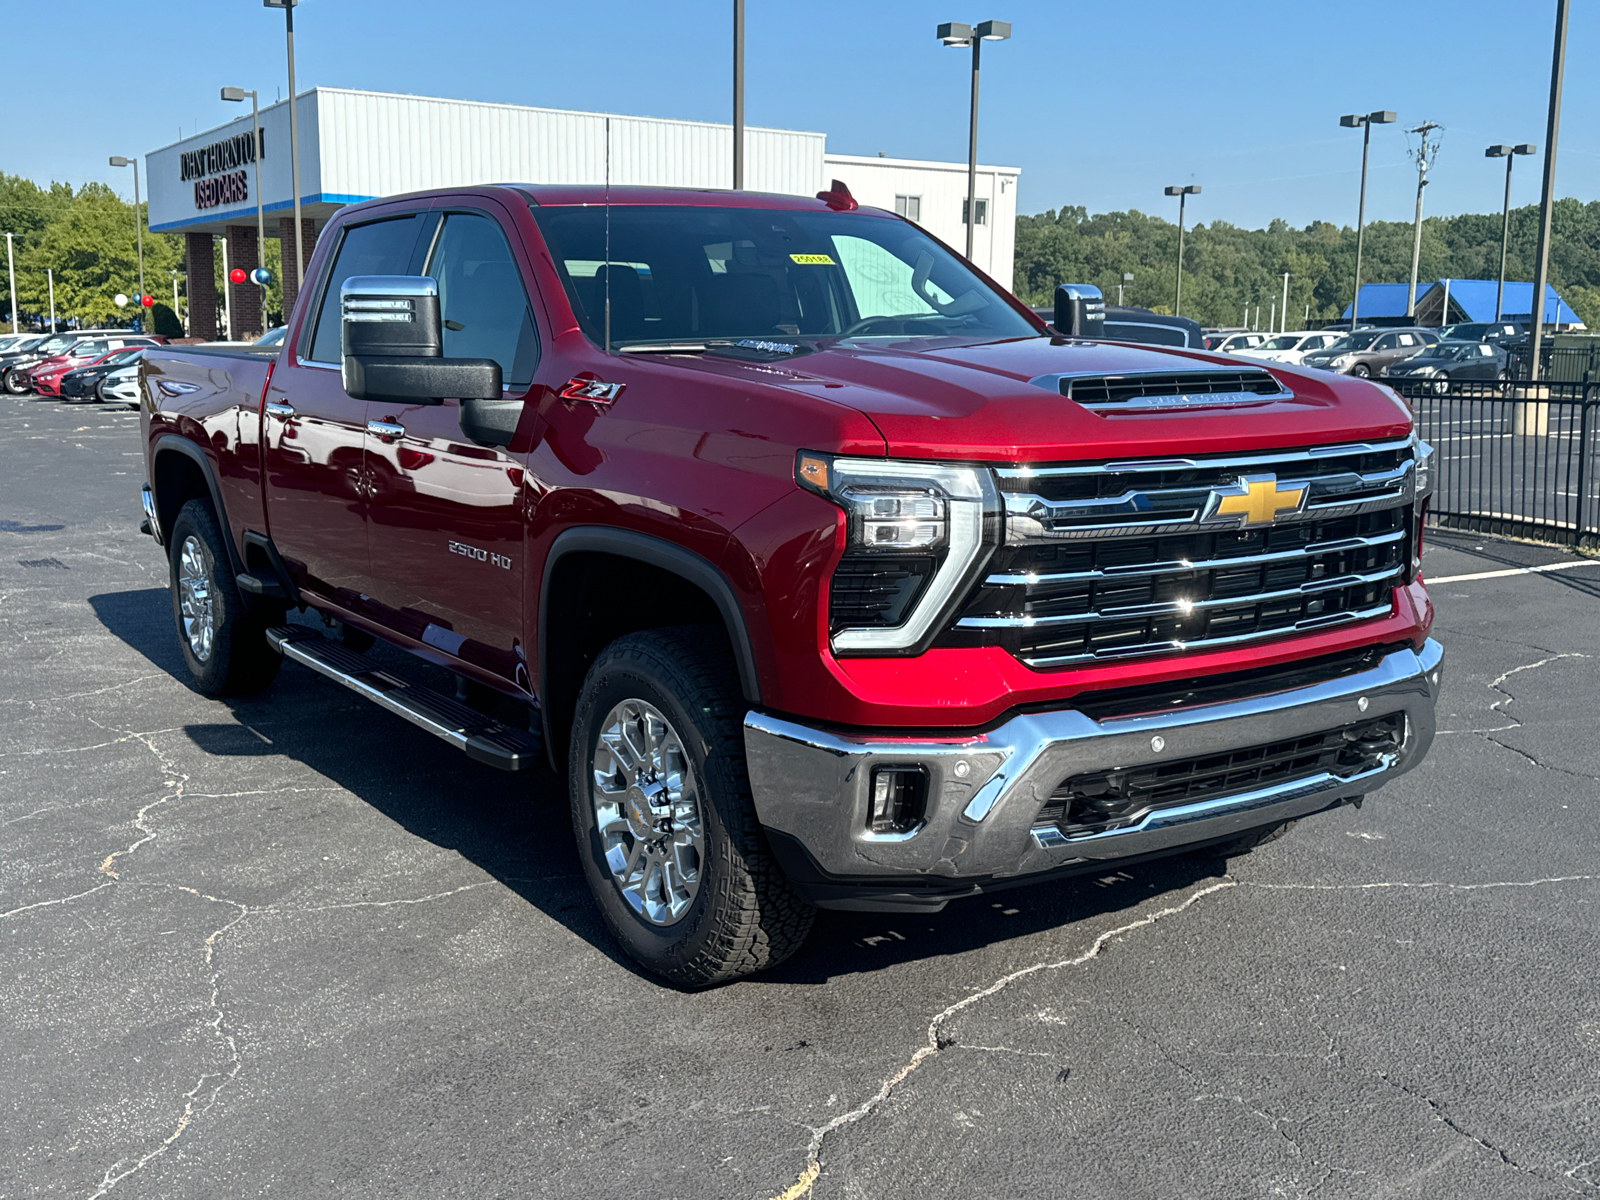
(377,248)
(1386,342)
(481,301)
(1407,340)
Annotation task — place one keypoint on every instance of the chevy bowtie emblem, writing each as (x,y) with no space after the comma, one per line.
(1254,500)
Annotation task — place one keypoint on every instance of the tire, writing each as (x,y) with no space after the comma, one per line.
(17,383)
(1361,371)
(223,644)
(738,914)
(1248,842)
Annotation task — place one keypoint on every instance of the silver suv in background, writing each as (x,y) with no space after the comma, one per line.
(1368,352)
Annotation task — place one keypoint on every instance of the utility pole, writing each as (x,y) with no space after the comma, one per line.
(1424,155)
(1541,264)
(11,265)
(738,96)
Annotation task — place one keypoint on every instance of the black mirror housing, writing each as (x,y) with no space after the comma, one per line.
(393,344)
(1080,311)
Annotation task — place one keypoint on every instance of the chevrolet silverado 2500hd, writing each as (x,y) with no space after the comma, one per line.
(825,571)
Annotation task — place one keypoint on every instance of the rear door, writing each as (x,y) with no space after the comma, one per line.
(446,518)
(314,434)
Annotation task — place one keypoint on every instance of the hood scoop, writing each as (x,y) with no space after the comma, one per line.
(1157,391)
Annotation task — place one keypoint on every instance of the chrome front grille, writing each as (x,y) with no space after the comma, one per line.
(1128,559)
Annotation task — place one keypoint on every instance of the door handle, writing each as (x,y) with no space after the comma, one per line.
(275,409)
(386,431)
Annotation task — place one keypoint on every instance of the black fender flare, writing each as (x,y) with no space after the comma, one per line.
(667,556)
(174,443)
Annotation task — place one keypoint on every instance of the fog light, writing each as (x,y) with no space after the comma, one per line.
(899,799)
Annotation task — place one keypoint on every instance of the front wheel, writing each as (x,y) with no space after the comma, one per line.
(223,644)
(666,827)
(1361,371)
(17,383)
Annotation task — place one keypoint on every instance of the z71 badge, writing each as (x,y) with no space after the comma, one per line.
(496,560)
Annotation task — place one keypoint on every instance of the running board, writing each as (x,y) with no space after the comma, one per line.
(482,738)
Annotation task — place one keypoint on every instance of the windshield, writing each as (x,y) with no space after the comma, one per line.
(121,356)
(1358,341)
(59,344)
(272,337)
(1466,331)
(680,274)
(1287,341)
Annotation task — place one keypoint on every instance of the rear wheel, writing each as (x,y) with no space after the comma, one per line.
(223,644)
(666,827)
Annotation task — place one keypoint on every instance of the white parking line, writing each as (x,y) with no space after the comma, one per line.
(1561,566)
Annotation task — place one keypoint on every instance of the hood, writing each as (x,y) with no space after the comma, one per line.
(951,399)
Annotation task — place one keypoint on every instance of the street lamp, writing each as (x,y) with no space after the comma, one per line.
(954,33)
(1127,278)
(1509,153)
(1183,193)
(236,96)
(1365,124)
(294,134)
(118,160)
(738,95)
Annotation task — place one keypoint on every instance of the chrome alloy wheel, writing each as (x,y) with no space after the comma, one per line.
(196,597)
(647,809)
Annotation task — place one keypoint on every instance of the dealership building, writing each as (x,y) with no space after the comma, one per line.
(356,146)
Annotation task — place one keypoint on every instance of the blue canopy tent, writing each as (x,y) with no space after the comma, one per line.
(1447,301)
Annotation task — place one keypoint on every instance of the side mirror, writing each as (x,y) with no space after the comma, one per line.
(393,345)
(1080,311)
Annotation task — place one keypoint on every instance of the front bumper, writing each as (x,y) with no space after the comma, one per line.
(985,791)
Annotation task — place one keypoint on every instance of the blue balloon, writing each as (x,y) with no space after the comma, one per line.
(261,275)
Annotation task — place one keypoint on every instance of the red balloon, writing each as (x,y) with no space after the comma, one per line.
(237,275)
(147,301)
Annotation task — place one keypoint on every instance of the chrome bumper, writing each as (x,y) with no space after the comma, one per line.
(985,790)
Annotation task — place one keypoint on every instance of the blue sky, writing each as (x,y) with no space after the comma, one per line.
(1100,104)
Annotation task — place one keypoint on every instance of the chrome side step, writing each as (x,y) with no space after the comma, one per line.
(482,738)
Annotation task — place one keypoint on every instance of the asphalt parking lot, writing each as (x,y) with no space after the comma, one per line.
(290,946)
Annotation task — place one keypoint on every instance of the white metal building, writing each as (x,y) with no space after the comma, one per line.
(359,145)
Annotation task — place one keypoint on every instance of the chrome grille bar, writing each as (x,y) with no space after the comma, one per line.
(1231,462)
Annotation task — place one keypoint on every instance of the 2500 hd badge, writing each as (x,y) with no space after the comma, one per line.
(499,560)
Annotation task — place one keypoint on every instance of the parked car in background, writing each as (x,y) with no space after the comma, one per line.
(1370,352)
(1292,347)
(44,376)
(1483,331)
(1452,362)
(1231,343)
(1128,324)
(14,341)
(272,337)
(121,386)
(26,352)
(81,385)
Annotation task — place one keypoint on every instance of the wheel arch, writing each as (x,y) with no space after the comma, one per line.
(684,587)
(180,472)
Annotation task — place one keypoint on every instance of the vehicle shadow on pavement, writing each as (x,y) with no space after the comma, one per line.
(515,827)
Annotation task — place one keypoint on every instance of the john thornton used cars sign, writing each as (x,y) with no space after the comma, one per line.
(216,169)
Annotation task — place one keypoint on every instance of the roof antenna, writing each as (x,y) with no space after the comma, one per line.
(608,235)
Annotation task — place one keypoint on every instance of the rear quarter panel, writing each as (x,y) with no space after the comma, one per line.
(212,399)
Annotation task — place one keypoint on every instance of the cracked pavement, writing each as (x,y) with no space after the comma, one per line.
(291,946)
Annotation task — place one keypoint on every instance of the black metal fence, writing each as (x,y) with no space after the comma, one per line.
(1513,458)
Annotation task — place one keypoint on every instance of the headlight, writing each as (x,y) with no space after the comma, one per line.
(916,536)
(1344,360)
(1422,457)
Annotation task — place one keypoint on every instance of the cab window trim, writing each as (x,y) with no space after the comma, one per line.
(308,338)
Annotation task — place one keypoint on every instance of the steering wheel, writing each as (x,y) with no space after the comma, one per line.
(866,323)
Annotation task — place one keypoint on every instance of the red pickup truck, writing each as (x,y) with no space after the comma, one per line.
(828,573)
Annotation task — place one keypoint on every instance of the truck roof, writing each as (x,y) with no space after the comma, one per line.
(547,194)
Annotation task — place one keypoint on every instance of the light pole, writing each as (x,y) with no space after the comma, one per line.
(1285,309)
(954,33)
(1541,265)
(738,95)
(237,95)
(294,135)
(1127,278)
(11,265)
(118,160)
(50,276)
(1365,124)
(1509,153)
(1183,193)
(184,325)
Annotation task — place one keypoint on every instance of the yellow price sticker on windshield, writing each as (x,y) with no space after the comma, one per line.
(813,260)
